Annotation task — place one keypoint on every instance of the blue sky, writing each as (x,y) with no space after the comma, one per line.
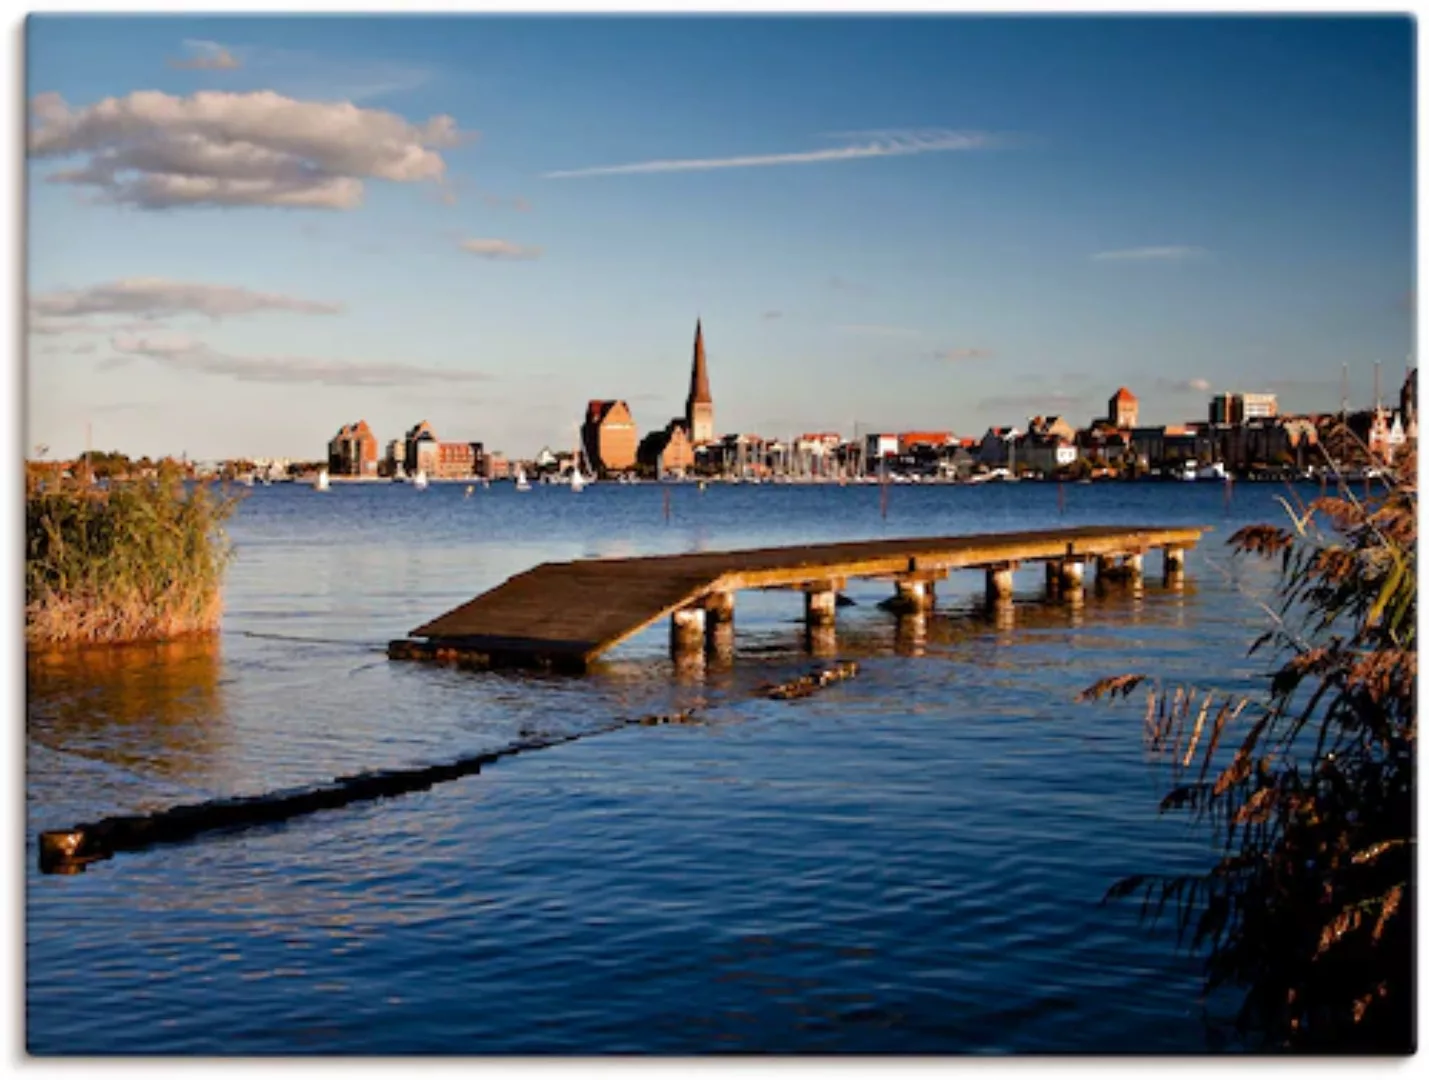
(901,223)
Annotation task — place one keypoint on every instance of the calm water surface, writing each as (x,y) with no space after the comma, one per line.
(910,862)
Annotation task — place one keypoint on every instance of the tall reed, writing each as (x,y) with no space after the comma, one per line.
(136,561)
(1310,908)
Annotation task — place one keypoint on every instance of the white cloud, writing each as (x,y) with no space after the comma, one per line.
(185,353)
(964,353)
(210,56)
(500,249)
(1165,253)
(872,144)
(154,151)
(159,298)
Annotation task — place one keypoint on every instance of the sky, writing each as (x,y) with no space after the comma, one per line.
(244,232)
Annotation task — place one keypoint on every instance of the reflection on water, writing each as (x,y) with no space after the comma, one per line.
(910,861)
(155,709)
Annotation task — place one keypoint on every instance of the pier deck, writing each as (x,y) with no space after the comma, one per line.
(565,614)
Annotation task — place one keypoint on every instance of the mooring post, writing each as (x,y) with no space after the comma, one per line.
(687,632)
(1131,567)
(999,584)
(1071,576)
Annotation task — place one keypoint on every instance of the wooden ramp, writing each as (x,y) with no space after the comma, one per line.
(565,614)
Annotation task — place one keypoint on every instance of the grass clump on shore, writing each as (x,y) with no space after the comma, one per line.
(135,561)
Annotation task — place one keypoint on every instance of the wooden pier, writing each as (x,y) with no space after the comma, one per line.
(564,615)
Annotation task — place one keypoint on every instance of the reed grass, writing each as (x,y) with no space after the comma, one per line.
(135,561)
(1309,910)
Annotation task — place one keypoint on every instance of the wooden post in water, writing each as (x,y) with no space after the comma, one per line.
(911,596)
(687,632)
(1131,566)
(1173,567)
(820,602)
(719,624)
(1071,577)
(999,585)
(1054,578)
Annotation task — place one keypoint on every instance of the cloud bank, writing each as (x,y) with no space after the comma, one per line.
(184,353)
(872,144)
(155,151)
(155,298)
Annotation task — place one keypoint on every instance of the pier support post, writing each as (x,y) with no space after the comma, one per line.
(999,584)
(687,632)
(910,634)
(1106,569)
(821,639)
(1070,573)
(819,605)
(719,609)
(912,596)
(1054,578)
(1173,560)
(1131,568)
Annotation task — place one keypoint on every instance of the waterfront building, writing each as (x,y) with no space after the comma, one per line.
(1046,453)
(608,436)
(881,446)
(394,462)
(1238,408)
(911,441)
(669,450)
(1121,410)
(1051,427)
(699,406)
(998,447)
(420,449)
(353,451)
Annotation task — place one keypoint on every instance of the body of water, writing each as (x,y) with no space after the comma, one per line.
(908,862)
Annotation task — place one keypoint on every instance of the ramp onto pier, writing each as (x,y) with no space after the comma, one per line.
(570,612)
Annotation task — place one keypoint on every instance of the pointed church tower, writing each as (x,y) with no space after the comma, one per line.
(699,406)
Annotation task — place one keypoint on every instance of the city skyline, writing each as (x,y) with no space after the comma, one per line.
(278,224)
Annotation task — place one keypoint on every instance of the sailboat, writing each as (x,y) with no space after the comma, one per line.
(577,480)
(420,480)
(521,484)
(321,483)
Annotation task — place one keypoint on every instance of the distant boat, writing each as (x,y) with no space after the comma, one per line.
(321,483)
(521,484)
(469,490)
(420,480)
(1213,471)
(577,480)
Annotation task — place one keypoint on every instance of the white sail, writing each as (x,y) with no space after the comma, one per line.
(521,484)
(420,480)
(321,484)
(577,480)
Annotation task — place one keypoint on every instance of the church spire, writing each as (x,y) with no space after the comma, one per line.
(699,376)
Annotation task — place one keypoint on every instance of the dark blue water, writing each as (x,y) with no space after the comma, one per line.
(909,862)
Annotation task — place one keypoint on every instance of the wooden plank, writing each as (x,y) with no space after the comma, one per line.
(587,606)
